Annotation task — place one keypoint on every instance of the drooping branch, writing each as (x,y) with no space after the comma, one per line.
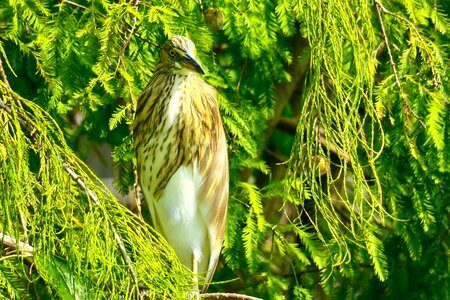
(92,195)
(125,46)
(409,109)
(290,125)
(419,36)
(84,186)
(22,122)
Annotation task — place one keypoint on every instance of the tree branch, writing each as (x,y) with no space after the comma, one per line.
(75,4)
(125,46)
(13,243)
(219,296)
(411,25)
(132,30)
(22,122)
(135,195)
(409,109)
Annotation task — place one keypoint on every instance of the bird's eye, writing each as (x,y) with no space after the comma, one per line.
(171,52)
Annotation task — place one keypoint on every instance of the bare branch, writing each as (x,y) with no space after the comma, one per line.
(75,4)
(13,243)
(219,296)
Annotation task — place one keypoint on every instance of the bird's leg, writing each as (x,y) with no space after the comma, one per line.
(195,291)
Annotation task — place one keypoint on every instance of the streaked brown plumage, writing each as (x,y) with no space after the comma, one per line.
(182,159)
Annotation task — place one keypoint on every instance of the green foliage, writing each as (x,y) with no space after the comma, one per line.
(337,116)
(10,282)
(76,231)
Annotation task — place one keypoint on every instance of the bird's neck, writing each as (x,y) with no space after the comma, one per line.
(174,72)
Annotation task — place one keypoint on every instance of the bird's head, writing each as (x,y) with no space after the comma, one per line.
(177,56)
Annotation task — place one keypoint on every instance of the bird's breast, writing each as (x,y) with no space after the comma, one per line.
(179,126)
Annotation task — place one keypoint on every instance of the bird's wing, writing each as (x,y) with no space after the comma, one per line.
(213,198)
(213,165)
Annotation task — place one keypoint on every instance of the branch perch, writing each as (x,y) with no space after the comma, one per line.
(219,296)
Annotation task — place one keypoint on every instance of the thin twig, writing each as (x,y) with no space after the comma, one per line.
(333,148)
(124,47)
(143,38)
(244,66)
(3,73)
(133,29)
(22,122)
(75,4)
(5,78)
(282,159)
(288,125)
(320,131)
(81,183)
(394,69)
(411,25)
(200,2)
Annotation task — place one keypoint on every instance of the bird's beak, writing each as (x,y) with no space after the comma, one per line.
(191,63)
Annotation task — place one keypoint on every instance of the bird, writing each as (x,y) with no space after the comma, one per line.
(182,158)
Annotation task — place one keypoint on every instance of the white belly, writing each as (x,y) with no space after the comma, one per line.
(181,219)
